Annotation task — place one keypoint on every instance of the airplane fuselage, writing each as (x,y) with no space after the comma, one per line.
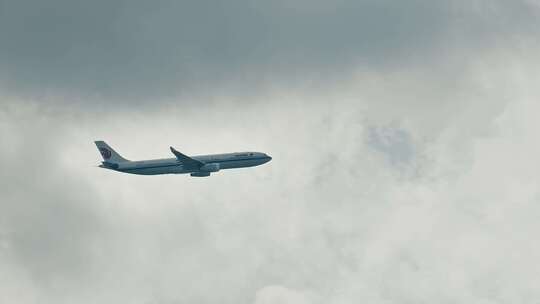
(212,163)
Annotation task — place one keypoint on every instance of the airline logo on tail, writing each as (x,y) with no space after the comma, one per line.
(106,153)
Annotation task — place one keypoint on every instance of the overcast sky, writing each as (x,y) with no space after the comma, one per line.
(403,136)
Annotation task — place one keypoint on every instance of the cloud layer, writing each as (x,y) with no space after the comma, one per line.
(124,51)
(402,135)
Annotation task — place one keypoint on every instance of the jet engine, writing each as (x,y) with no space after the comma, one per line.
(210,168)
(200,174)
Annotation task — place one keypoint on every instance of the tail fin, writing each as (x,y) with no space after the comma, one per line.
(108,153)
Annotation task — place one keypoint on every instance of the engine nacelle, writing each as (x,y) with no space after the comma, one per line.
(200,174)
(210,168)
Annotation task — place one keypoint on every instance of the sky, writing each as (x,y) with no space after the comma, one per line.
(403,137)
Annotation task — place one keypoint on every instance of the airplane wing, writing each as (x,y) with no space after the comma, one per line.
(187,161)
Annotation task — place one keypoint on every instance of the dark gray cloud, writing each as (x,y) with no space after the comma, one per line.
(136,49)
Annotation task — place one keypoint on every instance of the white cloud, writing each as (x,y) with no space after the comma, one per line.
(281,295)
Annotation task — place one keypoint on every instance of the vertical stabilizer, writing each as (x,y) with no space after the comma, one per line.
(108,153)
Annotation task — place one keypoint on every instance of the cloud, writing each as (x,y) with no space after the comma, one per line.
(280,295)
(330,219)
(115,51)
(403,181)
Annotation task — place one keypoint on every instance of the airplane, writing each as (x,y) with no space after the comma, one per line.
(197,166)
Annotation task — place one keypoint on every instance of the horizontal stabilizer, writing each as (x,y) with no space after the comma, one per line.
(187,161)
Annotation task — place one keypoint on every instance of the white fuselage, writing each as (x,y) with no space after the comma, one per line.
(213,163)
